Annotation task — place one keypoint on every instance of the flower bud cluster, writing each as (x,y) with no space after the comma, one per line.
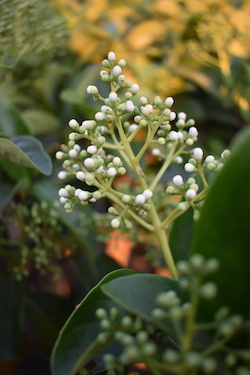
(119,120)
(42,250)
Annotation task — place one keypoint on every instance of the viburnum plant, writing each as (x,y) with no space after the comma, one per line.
(191,322)
(110,154)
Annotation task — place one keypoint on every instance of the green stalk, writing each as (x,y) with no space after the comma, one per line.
(156,222)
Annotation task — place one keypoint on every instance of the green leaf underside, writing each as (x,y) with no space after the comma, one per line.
(223,231)
(137,294)
(77,344)
(27,151)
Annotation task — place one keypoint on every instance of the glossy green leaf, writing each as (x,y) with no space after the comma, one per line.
(180,236)
(27,151)
(223,231)
(77,344)
(137,294)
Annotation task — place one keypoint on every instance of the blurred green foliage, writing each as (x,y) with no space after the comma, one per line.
(196,51)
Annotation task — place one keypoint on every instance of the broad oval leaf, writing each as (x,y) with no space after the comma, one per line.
(27,151)
(223,231)
(77,344)
(137,294)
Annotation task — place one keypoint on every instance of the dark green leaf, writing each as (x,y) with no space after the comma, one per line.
(180,236)
(11,311)
(77,344)
(27,151)
(137,294)
(223,231)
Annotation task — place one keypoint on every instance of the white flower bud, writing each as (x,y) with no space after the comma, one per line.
(113,96)
(182,116)
(132,128)
(73,153)
(190,194)
(134,88)
(99,116)
(73,124)
(172,116)
(117,70)
(180,135)
(63,192)
(77,147)
(155,152)
(89,163)
(147,194)
(178,180)
(225,154)
(189,167)
(198,153)
(173,136)
(193,132)
(178,159)
(92,149)
(143,100)
(62,175)
(111,56)
(91,89)
(117,161)
(80,175)
(100,169)
(72,136)
(59,155)
(63,200)
(169,101)
(105,108)
(147,110)
(129,106)
(115,223)
(140,199)
(111,172)
(83,195)
(209,159)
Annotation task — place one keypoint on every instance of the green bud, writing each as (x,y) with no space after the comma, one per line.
(171,356)
(102,337)
(193,358)
(143,123)
(126,322)
(142,336)
(208,290)
(149,349)
(126,199)
(113,211)
(97,194)
(209,365)
(101,313)
(197,261)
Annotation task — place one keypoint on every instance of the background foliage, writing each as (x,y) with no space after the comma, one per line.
(196,51)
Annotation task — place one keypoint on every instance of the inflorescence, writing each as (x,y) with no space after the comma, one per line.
(108,153)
